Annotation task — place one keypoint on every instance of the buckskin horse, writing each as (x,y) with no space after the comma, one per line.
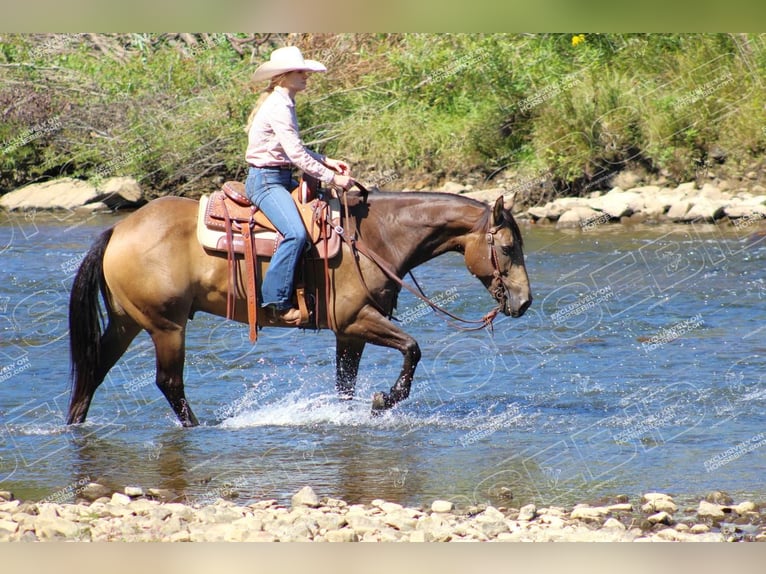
(153,274)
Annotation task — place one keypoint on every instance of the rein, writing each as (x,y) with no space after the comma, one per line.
(357,246)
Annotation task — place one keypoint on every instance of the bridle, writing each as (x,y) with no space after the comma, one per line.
(497,288)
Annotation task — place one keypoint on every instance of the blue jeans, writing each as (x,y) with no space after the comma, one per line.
(267,189)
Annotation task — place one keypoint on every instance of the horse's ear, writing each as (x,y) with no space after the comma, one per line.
(509,200)
(497,211)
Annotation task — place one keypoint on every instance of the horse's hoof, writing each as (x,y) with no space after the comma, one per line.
(378,403)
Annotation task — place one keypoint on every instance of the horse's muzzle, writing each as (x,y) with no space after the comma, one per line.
(515,307)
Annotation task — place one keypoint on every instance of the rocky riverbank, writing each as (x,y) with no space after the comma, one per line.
(740,203)
(138,516)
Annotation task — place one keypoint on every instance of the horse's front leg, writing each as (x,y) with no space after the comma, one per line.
(348,353)
(374,328)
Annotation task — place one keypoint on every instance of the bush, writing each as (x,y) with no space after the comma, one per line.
(169,109)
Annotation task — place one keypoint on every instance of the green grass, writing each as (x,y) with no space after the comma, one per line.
(171,113)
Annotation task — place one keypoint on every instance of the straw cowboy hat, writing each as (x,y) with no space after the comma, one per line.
(282,60)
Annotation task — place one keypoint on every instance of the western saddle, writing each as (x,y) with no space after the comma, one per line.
(228,223)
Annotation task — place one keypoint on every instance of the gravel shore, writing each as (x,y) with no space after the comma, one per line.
(136,516)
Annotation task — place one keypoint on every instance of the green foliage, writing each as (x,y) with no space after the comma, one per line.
(170,108)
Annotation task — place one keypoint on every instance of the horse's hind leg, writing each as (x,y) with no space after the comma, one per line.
(348,353)
(118,335)
(170,348)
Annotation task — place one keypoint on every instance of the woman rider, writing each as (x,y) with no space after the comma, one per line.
(274,147)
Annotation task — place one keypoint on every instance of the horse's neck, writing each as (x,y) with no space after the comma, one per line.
(415,228)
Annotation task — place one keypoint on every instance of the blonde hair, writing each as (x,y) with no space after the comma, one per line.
(275,81)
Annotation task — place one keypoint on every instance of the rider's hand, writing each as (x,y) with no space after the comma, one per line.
(342,181)
(338,166)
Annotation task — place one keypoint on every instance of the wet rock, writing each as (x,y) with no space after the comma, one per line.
(162,494)
(618,203)
(305,497)
(581,216)
(719,497)
(335,503)
(659,505)
(93,491)
(678,210)
(661,518)
(442,506)
(744,507)
(527,512)
(620,507)
(710,510)
(589,513)
(119,498)
(704,209)
(133,491)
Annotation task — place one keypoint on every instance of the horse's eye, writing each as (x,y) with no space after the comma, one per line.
(507,250)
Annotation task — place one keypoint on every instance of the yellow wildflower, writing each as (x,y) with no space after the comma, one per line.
(578,39)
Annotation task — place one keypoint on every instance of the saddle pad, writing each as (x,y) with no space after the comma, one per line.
(266,241)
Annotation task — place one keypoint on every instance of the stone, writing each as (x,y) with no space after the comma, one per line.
(119,498)
(678,210)
(618,203)
(659,505)
(661,518)
(539,212)
(527,512)
(9,526)
(719,497)
(6,495)
(613,524)
(687,188)
(52,528)
(491,522)
(744,507)
(93,491)
(584,217)
(362,524)
(121,192)
(620,507)
(341,535)
(305,497)
(335,503)
(670,535)
(704,209)
(589,513)
(180,510)
(401,520)
(133,491)
(710,510)
(163,494)
(441,506)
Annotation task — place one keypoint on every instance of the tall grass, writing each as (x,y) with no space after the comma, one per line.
(169,109)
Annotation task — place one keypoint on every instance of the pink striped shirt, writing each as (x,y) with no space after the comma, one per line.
(274,139)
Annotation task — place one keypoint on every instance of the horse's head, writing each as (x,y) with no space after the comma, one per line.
(496,257)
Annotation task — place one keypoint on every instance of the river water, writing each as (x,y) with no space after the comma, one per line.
(639,367)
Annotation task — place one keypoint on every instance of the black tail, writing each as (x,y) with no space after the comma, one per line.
(85,327)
